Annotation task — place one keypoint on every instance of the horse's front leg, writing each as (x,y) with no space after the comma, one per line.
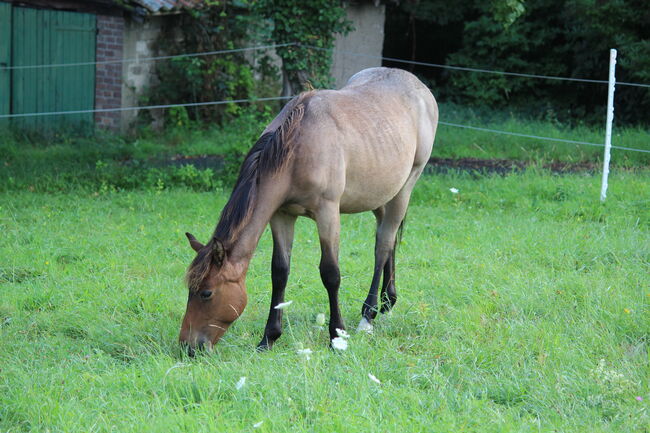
(282,228)
(329,228)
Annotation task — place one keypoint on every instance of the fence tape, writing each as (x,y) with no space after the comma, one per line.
(279,98)
(238,101)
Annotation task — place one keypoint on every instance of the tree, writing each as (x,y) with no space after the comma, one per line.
(310,24)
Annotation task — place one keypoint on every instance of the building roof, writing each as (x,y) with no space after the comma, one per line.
(161,6)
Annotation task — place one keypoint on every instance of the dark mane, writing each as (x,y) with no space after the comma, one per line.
(268,156)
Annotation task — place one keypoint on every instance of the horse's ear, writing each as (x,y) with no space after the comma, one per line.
(218,252)
(194,243)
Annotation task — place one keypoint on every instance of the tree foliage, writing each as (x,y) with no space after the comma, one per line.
(569,38)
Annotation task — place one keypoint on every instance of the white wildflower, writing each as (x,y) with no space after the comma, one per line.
(374,379)
(453,190)
(240,384)
(283,305)
(320,319)
(339,343)
(342,333)
(258,424)
(306,353)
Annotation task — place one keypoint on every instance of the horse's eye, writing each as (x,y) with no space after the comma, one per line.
(205,294)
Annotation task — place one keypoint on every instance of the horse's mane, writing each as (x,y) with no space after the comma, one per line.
(268,156)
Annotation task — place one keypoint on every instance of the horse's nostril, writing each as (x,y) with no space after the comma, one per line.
(203,343)
(185,346)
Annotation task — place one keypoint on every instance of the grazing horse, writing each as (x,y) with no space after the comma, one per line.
(361,148)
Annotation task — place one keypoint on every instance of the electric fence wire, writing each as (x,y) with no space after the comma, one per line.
(518,134)
(346,52)
(147,59)
(147,107)
(264,47)
(463,68)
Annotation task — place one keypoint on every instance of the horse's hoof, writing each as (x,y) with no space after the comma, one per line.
(264,347)
(365,326)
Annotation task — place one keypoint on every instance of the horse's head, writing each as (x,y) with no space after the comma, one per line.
(217,295)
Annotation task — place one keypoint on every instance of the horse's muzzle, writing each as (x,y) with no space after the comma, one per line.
(201,344)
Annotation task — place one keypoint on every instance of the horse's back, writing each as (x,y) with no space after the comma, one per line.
(360,144)
(415,98)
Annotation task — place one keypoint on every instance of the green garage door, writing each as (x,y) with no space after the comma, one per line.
(46,37)
(5,60)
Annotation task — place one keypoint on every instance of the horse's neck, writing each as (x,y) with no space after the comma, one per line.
(242,248)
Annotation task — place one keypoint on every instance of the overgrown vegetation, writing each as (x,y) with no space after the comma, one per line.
(546,37)
(224,25)
(192,156)
(522,306)
(227,25)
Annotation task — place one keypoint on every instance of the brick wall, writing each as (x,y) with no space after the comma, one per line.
(108,78)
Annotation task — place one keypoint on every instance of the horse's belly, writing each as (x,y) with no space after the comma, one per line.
(364,192)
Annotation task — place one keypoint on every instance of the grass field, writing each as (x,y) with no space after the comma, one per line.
(523,306)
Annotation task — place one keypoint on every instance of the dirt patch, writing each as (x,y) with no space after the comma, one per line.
(435,165)
(503,166)
(215,162)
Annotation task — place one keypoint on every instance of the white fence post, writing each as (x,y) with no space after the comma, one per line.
(610,119)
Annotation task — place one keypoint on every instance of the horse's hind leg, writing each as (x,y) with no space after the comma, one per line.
(393,214)
(384,245)
(388,290)
(282,226)
(388,296)
(329,227)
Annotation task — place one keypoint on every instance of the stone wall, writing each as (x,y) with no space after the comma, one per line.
(140,41)
(108,77)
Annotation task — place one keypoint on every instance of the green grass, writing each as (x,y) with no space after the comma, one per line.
(454,142)
(523,306)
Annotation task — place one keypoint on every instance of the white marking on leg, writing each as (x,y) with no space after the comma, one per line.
(365,326)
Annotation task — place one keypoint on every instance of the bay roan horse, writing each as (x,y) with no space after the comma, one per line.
(328,152)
